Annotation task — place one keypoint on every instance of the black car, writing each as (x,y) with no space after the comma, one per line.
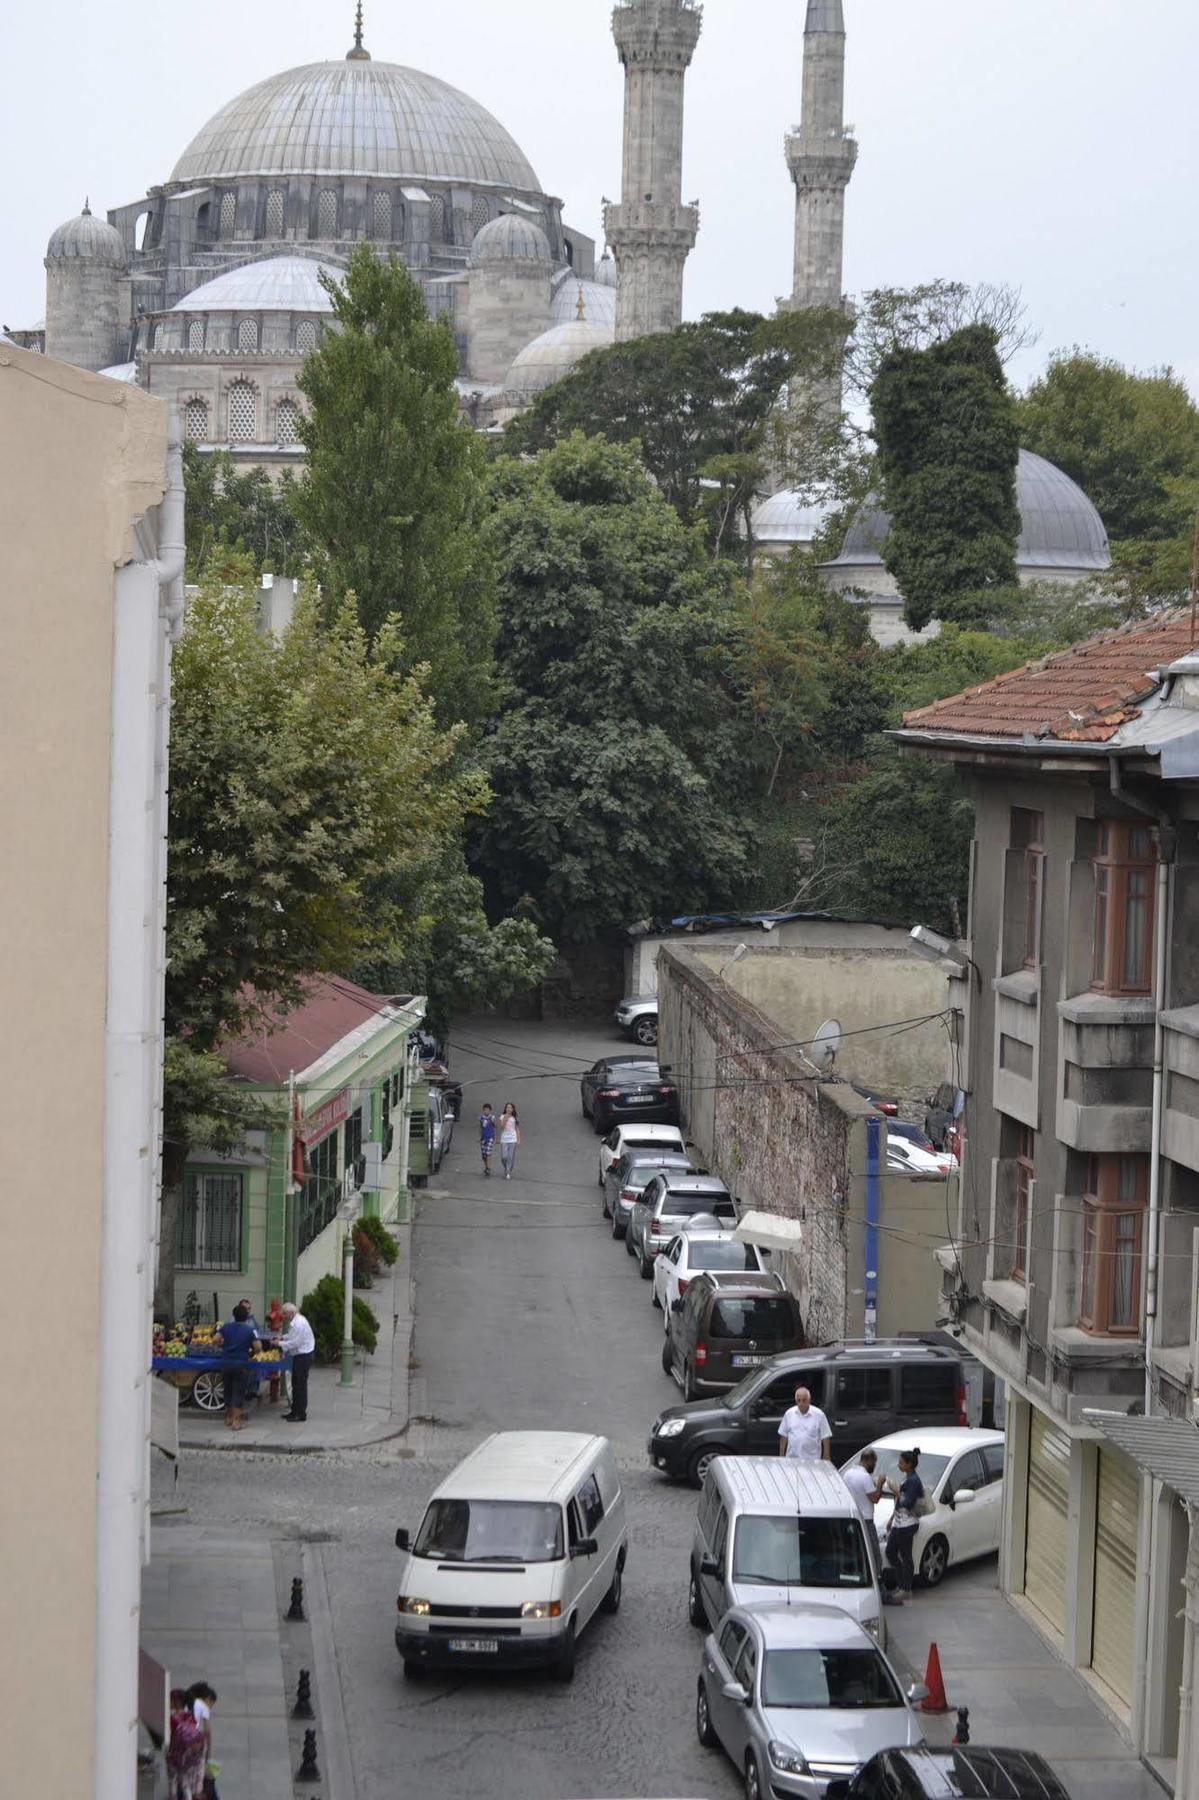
(866,1391)
(964,1772)
(628,1087)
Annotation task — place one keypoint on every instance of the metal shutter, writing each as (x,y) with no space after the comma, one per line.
(1112,1633)
(1045,1534)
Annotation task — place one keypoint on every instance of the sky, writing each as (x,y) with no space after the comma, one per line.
(1052,144)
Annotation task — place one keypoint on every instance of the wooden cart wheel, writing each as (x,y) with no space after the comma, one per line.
(208,1391)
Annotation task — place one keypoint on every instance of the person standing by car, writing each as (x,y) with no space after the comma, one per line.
(509,1139)
(865,1486)
(909,1498)
(804,1431)
(486,1135)
(299,1342)
(237,1339)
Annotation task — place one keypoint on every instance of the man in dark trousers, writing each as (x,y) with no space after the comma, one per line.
(299,1343)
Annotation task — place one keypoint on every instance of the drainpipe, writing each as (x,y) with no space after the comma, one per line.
(873,1130)
(172,543)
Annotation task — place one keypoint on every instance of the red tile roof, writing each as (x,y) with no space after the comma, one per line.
(331,1009)
(1080,695)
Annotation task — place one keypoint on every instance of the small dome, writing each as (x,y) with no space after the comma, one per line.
(554,354)
(88,237)
(1059,527)
(511,239)
(599,303)
(788,518)
(275,284)
(605,270)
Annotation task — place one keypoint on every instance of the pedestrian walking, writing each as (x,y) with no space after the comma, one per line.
(486,1136)
(909,1505)
(510,1137)
(237,1340)
(202,1698)
(186,1750)
(298,1341)
(804,1432)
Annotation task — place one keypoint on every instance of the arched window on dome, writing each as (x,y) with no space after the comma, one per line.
(437,230)
(195,335)
(228,215)
(326,214)
(306,336)
(381,215)
(480,214)
(274,213)
(195,421)
(242,405)
(287,422)
(247,334)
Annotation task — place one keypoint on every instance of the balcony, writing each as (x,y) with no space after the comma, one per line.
(1105,1077)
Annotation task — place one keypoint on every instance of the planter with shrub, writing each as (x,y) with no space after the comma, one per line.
(324,1309)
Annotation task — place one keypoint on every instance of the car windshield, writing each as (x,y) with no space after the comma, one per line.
(490,1531)
(748,1384)
(634,1071)
(930,1470)
(629,1142)
(721,1256)
(783,1550)
(849,1679)
(765,1316)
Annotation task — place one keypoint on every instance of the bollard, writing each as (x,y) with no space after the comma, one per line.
(303,1706)
(296,1609)
(962,1733)
(308,1770)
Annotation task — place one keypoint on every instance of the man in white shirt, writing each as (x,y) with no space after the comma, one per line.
(865,1486)
(804,1432)
(298,1342)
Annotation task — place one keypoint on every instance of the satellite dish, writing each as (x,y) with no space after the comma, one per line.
(826,1044)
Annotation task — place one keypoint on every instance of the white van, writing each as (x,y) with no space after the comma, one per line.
(517,1550)
(776,1529)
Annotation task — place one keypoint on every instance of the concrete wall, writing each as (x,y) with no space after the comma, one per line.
(81,460)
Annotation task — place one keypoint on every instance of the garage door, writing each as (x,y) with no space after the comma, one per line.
(1045,1530)
(1117,1508)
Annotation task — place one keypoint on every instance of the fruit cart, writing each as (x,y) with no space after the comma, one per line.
(193,1364)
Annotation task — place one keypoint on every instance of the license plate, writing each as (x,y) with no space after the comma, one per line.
(639,1099)
(483,1645)
(747,1362)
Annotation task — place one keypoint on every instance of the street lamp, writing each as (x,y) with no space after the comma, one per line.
(348,1212)
(738,953)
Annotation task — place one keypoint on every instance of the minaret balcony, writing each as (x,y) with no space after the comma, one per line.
(652,222)
(821,161)
(657,34)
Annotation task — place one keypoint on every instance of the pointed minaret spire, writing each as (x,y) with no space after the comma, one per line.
(821,155)
(358,54)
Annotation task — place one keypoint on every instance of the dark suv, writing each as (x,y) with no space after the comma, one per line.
(725,1325)
(866,1390)
(926,1773)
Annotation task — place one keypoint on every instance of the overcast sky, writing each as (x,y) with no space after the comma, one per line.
(1049,143)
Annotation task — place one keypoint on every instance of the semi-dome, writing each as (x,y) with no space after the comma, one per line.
(787,517)
(275,284)
(357,117)
(90,238)
(1060,528)
(511,239)
(554,354)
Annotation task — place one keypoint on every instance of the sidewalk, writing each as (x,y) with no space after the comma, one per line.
(1017,1690)
(339,1418)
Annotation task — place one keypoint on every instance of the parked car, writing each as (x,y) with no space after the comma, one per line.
(441,1128)
(978,1770)
(914,1134)
(867,1390)
(666,1204)
(906,1158)
(798,1696)
(775,1530)
(638,1018)
(519,1548)
(962,1472)
(726,1324)
(626,1180)
(886,1103)
(636,1136)
(627,1088)
(693,1252)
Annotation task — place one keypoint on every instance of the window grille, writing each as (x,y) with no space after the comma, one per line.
(243,412)
(437,220)
(247,334)
(210,1220)
(274,213)
(195,335)
(228,214)
(195,420)
(480,213)
(287,422)
(321,1195)
(381,215)
(306,336)
(326,214)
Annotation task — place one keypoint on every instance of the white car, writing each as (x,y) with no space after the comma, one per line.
(690,1253)
(906,1158)
(636,1137)
(637,1016)
(962,1472)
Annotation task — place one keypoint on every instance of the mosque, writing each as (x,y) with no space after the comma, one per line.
(208,289)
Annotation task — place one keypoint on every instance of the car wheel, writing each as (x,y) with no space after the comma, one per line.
(413,1670)
(645,1267)
(703,1719)
(564,1668)
(604,1207)
(583,1103)
(668,1357)
(646,1031)
(695,1606)
(630,1246)
(689,1392)
(753,1781)
(654,1298)
(618,1230)
(611,1600)
(699,1465)
(935,1561)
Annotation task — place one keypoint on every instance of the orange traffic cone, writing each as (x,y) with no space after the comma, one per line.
(934,1681)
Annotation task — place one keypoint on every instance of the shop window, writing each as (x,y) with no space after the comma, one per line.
(1026,1174)
(1113,1220)
(306,336)
(1125,871)
(247,334)
(228,215)
(243,413)
(381,214)
(321,1194)
(1028,870)
(287,422)
(210,1220)
(353,1139)
(326,214)
(274,213)
(195,421)
(195,335)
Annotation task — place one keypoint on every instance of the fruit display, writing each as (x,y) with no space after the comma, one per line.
(267,1356)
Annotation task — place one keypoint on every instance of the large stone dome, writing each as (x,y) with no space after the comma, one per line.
(357,117)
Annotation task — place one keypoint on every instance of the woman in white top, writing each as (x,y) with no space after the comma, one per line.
(509,1139)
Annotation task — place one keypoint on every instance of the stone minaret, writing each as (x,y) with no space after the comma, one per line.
(651,231)
(86,292)
(821,157)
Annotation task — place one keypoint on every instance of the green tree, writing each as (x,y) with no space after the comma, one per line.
(241,510)
(303,771)
(615,759)
(887,319)
(945,425)
(392,494)
(896,846)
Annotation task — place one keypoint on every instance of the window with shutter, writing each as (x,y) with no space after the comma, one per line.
(287,422)
(228,214)
(326,216)
(247,334)
(274,213)
(210,1220)
(243,412)
(195,335)
(195,420)
(381,215)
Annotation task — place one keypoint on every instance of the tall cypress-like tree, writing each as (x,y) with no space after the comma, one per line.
(391,495)
(945,424)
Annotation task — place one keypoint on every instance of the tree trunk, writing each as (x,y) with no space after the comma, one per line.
(173,1158)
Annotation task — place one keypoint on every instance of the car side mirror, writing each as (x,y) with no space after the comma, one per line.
(402,1540)
(710,1565)
(733,1690)
(917,1692)
(584,1547)
(962,1496)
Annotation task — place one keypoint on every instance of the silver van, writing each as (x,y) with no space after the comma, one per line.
(518,1550)
(773,1529)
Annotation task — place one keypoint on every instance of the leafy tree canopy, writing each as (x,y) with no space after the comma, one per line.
(896,846)
(392,491)
(887,319)
(241,510)
(945,425)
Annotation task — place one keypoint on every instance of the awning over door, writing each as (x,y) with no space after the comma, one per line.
(769,1231)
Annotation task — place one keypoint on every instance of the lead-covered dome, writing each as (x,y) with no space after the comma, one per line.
(511,239)
(357,117)
(275,284)
(89,238)
(554,354)
(788,517)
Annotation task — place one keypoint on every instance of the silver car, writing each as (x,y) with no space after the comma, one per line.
(799,1697)
(637,1015)
(667,1205)
(627,1176)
